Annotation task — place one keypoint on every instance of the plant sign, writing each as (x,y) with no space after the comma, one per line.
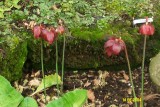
(138,21)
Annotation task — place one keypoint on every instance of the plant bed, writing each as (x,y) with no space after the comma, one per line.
(110,88)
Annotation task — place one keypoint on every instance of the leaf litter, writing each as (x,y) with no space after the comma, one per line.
(105,88)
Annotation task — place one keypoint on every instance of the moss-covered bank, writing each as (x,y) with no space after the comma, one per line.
(12,61)
(84,49)
(13,54)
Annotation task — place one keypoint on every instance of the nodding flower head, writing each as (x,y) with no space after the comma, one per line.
(114,46)
(146,29)
(37,31)
(60,29)
(49,35)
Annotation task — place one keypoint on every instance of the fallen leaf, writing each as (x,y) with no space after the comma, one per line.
(34,82)
(129,91)
(35,74)
(20,88)
(25,81)
(105,74)
(30,25)
(27,76)
(124,105)
(125,76)
(42,104)
(151,97)
(90,95)
(48,98)
(100,74)
(90,75)
(96,82)
(113,105)
(123,81)
(16,84)
(87,84)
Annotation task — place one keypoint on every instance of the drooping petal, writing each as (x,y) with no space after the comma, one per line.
(108,51)
(151,29)
(60,29)
(109,43)
(37,31)
(48,36)
(54,31)
(44,34)
(142,29)
(116,48)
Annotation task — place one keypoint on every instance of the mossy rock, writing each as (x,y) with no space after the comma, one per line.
(84,49)
(12,60)
(154,70)
(83,54)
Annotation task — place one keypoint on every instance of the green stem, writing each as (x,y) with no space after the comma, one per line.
(142,85)
(130,76)
(42,65)
(57,65)
(63,62)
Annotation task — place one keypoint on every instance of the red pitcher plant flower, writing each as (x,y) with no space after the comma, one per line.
(37,31)
(114,46)
(48,34)
(146,29)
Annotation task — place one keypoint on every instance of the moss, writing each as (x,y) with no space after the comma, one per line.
(13,61)
(88,34)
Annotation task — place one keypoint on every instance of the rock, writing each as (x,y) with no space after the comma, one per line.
(154,70)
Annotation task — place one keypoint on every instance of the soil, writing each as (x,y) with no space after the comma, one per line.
(111,89)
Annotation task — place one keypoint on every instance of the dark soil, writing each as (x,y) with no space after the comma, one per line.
(111,89)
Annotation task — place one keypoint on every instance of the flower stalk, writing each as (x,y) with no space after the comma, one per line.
(146,29)
(63,62)
(143,60)
(57,67)
(42,65)
(130,75)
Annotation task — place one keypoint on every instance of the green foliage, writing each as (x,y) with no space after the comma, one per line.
(28,102)
(138,8)
(75,13)
(75,98)
(7,5)
(8,95)
(50,80)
